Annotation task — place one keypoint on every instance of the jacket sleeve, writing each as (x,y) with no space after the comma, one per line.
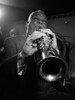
(21,64)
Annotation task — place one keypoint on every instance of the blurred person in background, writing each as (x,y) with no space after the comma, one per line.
(12,32)
(13,44)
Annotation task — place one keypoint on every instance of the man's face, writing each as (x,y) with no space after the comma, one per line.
(37,24)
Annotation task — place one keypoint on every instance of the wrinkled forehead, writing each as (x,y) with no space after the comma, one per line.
(39,15)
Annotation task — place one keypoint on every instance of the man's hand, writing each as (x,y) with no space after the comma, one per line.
(54,40)
(30,47)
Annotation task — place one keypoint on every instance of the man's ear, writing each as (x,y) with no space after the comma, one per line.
(27,25)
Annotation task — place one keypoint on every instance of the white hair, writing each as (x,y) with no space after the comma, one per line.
(29,21)
(29,18)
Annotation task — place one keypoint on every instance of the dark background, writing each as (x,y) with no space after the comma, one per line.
(13,11)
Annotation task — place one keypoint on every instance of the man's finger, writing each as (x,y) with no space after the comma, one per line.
(37,34)
(34,45)
(47,31)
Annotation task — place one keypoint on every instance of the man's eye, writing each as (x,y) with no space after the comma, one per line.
(40,22)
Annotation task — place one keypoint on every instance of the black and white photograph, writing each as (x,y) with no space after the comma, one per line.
(37,50)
